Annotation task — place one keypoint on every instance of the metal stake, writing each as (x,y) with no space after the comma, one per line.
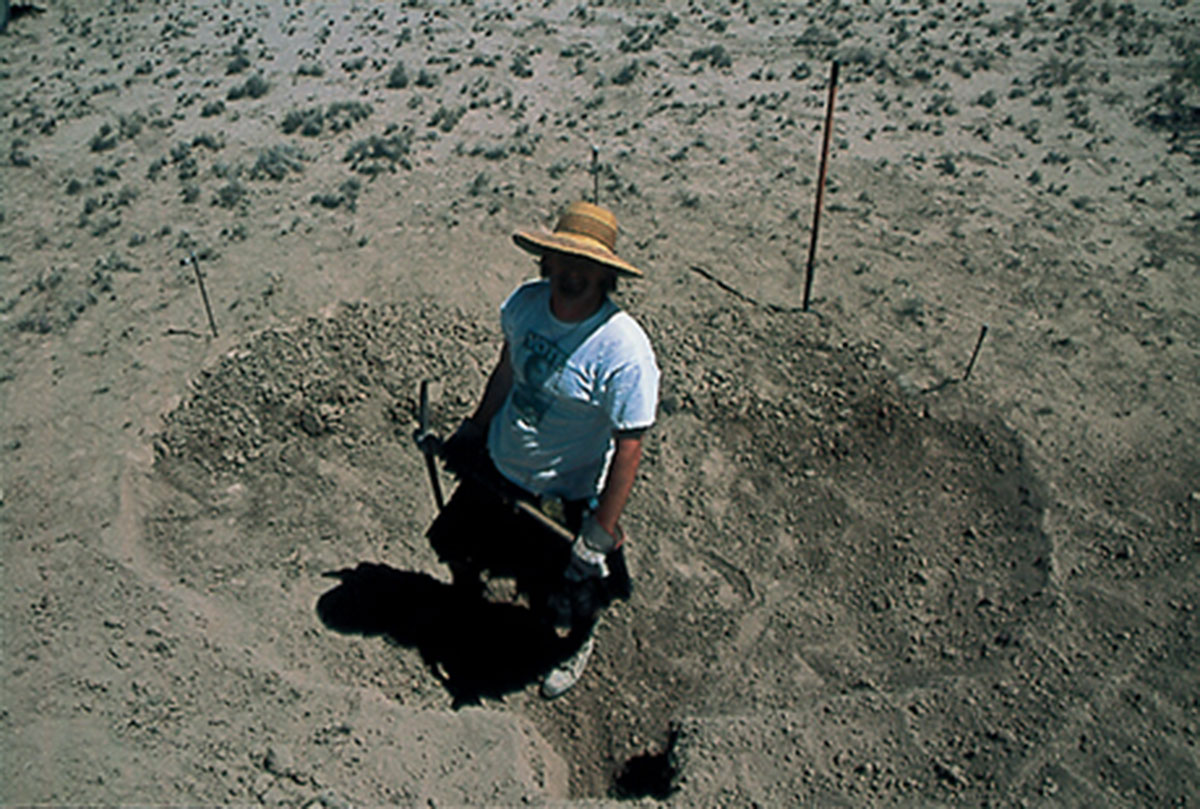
(595,175)
(974,354)
(812,245)
(203,293)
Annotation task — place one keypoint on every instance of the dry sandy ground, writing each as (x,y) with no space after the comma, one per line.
(860,580)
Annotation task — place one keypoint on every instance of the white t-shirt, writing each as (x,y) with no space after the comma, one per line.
(574,385)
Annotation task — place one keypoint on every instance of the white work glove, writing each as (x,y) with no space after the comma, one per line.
(589,552)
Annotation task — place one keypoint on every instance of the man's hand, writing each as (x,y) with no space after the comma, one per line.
(584,591)
(462,450)
(589,551)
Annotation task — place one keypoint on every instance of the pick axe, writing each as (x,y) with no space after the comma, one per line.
(431,446)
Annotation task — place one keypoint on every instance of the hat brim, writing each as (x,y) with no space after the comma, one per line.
(539,242)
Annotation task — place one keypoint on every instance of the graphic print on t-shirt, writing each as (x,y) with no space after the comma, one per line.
(543,359)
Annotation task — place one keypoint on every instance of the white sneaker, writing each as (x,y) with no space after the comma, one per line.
(560,679)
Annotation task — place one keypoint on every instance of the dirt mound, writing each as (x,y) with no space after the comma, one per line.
(824,517)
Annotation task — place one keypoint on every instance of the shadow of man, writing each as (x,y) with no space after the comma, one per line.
(475,647)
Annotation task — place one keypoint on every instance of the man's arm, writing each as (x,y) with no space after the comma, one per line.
(498,385)
(621,474)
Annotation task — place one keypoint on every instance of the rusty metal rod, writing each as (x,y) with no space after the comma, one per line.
(595,175)
(812,245)
(975,354)
(212,324)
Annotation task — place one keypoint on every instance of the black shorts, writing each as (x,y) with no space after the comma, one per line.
(477,530)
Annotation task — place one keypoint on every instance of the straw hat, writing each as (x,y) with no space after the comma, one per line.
(584,230)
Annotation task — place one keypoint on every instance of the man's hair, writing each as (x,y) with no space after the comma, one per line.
(610,277)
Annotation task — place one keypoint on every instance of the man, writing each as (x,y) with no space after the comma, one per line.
(560,425)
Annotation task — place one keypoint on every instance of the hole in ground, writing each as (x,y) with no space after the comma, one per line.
(649,774)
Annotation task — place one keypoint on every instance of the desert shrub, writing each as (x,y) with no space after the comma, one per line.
(1056,72)
(911,309)
(988,99)
(1188,69)
(125,196)
(445,119)
(426,79)
(104,224)
(347,194)
(327,200)
(310,69)
(104,140)
(231,195)
(276,162)
(17,155)
(715,55)
(238,63)
(254,87)
(520,66)
(103,176)
(212,108)
(114,262)
(336,117)
(398,77)
(645,37)
(354,65)
(627,74)
(495,152)
(377,154)
(941,105)
(129,126)
(213,143)
(188,168)
(1174,103)
(309,121)
(483,182)
(341,115)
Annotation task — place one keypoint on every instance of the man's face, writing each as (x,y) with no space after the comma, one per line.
(574,278)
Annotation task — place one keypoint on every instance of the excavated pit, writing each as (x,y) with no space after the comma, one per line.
(801,530)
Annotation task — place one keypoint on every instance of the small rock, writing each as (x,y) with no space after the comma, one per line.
(262,784)
(275,796)
(311,423)
(950,773)
(279,760)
